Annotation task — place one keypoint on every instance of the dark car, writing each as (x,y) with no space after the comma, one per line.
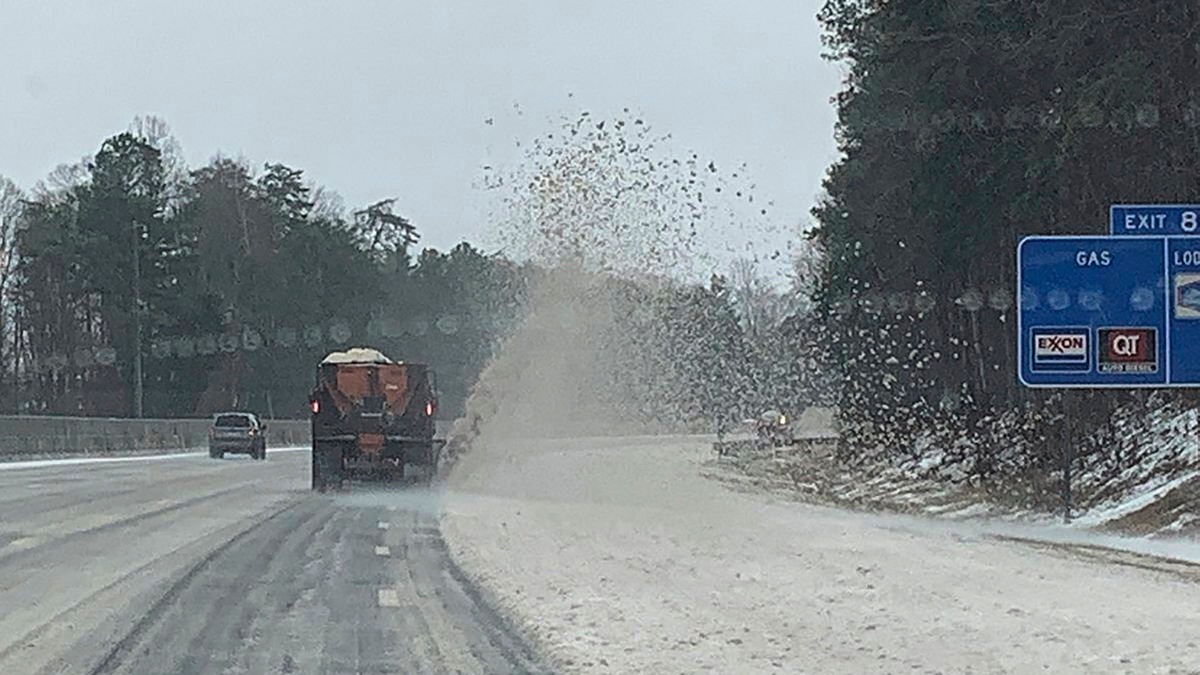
(238,433)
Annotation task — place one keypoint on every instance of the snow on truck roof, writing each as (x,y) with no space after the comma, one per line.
(357,355)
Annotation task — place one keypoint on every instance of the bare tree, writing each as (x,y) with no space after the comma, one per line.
(157,133)
(327,203)
(761,306)
(61,183)
(12,206)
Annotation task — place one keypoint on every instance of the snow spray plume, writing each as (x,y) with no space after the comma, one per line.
(613,195)
(617,227)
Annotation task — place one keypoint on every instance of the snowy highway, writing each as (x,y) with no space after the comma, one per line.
(619,557)
(191,565)
(591,556)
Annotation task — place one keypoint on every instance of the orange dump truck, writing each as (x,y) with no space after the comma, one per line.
(372,418)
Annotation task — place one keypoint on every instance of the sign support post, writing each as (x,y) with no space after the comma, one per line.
(1068,452)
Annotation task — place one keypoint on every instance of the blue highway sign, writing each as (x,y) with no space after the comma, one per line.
(1095,312)
(1154,220)
(1183,268)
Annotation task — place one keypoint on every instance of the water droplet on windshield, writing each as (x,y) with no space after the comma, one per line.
(1029,298)
(1058,299)
(1141,299)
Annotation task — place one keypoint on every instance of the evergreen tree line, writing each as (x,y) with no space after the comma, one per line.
(234,280)
(965,125)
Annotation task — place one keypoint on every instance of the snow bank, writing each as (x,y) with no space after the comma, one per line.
(1142,497)
(1140,475)
(618,557)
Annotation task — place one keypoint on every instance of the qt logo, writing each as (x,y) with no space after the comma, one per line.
(1128,350)
(1126,345)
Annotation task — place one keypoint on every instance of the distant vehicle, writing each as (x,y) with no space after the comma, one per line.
(372,418)
(773,428)
(238,433)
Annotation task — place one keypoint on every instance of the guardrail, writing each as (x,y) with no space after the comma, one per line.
(23,435)
(805,441)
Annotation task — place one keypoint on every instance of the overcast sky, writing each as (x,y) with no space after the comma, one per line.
(378,98)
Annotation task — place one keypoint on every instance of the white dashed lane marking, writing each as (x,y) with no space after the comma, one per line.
(389,597)
(383,550)
(383,525)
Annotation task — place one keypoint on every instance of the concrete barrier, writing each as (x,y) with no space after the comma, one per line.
(28,435)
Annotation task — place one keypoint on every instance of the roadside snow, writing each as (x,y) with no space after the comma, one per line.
(71,461)
(618,557)
(1141,498)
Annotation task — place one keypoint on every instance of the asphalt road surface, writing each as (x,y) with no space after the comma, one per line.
(194,565)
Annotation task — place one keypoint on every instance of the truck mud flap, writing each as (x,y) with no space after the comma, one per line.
(420,451)
(327,466)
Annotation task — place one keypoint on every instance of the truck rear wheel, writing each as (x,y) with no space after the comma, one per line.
(326,466)
(419,474)
(424,470)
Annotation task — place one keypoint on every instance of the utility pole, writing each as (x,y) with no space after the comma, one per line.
(137,322)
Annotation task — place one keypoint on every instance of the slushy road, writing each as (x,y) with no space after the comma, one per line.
(194,565)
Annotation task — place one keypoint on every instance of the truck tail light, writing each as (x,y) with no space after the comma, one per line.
(315,405)
(429,408)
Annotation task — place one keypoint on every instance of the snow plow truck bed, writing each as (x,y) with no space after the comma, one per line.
(372,419)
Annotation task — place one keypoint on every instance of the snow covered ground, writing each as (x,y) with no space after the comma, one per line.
(1143,481)
(619,557)
(1141,477)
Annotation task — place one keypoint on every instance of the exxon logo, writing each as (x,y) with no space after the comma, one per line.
(1060,347)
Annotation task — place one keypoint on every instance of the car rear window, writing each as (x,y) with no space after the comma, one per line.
(232,421)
